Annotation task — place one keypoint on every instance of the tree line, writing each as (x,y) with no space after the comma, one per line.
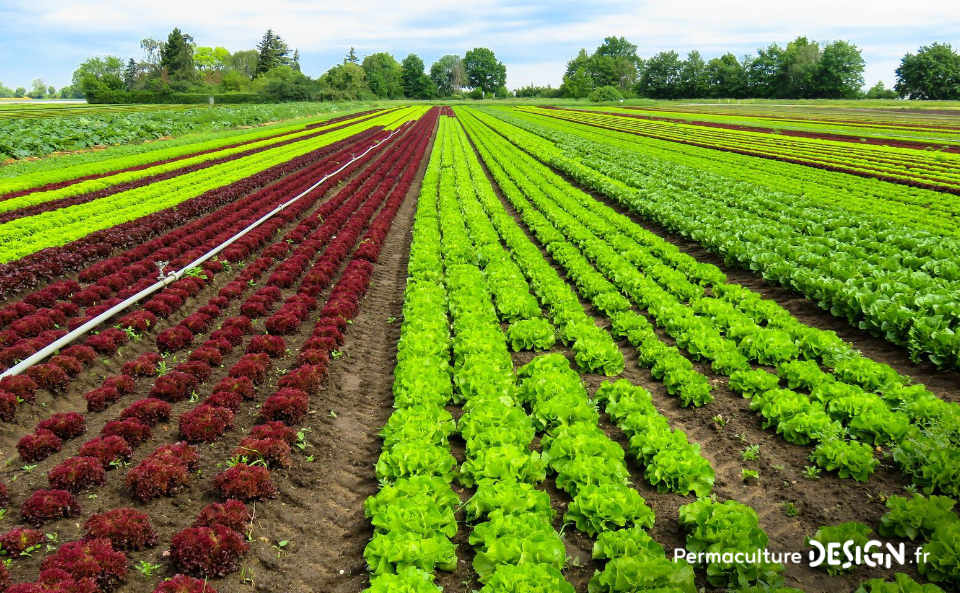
(803,69)
(271,72)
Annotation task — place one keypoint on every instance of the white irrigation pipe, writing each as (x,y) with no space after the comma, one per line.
(173,276)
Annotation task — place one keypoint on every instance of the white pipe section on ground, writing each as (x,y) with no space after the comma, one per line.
(173,276)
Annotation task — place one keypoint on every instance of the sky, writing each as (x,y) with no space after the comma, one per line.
(47,39)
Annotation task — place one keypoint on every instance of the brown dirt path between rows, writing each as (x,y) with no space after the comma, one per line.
(320,509)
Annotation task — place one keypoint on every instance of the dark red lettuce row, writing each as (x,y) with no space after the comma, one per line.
(207,549)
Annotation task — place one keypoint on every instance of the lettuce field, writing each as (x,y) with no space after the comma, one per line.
(493,348)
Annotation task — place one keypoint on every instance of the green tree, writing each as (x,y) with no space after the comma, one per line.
(383,75)
(693,76)
(581,61)
(797,78)
(5,92)
(233,81)
(413,80)
(20,92)
(483,70)
(345,82)
(577,84)
(130,74)
(99,74)
(603,70)
(727,77)
(283,83)
(615,63)
(879,91)
(243,62)
(351,57)
(840,71)
(176,57)
(151,53)
(38,89)
(210,59)
(764,69)
(70,92)
(661,76)
(617,47)
(448,75)
(932,73)
(272,52)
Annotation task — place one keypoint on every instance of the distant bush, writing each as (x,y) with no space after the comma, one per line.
(605,93)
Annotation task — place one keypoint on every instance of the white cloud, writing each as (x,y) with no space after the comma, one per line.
(532,37)
(535,73)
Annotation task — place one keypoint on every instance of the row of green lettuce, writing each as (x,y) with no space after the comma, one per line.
(898,282)
(654,444)
(585,462)
(590,467)
(902,204)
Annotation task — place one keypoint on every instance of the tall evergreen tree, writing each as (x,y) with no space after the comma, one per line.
(351,57)
(273,52)
(176,57)
(130,74)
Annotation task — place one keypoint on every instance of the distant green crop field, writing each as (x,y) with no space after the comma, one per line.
(33,130)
